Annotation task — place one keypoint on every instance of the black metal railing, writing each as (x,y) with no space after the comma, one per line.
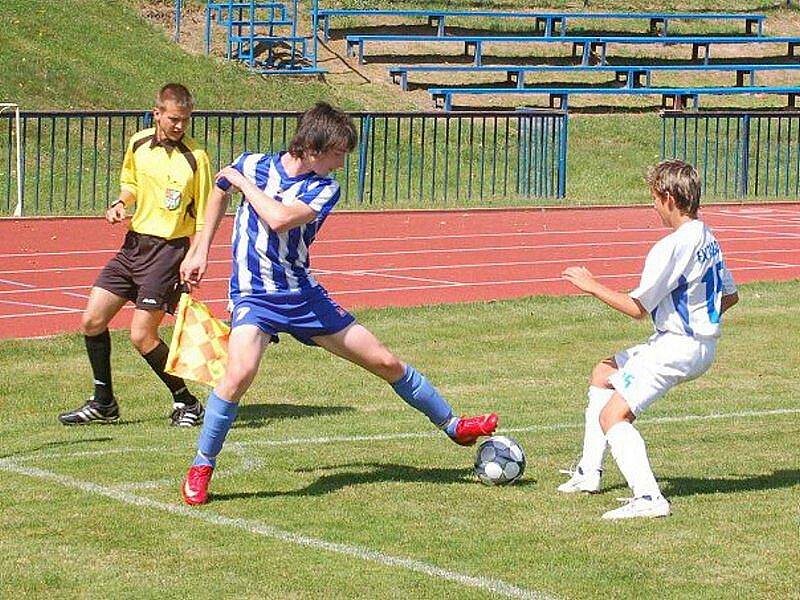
(71,160)
(738,154)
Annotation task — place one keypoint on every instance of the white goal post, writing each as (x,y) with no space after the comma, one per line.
(9,106)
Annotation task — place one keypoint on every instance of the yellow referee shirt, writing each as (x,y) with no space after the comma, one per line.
(170,181)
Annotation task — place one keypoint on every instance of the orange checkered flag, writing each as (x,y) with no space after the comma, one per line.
(199,347)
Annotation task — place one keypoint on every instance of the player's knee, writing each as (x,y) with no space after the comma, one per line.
(236,381)
(612,414)
(600,374)
(143,340)
(91,325)
(387,366)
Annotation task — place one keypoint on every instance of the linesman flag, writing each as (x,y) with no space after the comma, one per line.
(199,347)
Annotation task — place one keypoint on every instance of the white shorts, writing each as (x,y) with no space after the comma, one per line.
(648,371)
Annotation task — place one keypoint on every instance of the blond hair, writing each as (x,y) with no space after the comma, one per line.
(678,179)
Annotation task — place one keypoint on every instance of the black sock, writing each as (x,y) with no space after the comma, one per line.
(99,349)
(157,359)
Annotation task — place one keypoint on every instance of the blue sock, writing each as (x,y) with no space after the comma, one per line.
(220,415)
(419,393)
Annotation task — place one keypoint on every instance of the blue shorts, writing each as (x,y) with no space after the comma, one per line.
(302,315)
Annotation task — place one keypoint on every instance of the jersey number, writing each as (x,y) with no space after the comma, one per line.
(713,281)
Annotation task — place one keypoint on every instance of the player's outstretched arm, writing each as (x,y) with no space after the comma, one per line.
(583,279)
(195,263)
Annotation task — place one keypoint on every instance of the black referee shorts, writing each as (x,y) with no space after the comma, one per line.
(145,271)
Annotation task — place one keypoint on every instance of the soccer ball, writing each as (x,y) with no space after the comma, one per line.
(500,460)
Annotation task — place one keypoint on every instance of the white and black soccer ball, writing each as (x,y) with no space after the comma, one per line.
(500,460)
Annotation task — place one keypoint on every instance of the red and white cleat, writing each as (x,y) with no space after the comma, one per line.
(469,429)
(194,488)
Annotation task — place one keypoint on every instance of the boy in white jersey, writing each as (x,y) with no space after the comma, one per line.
(286,199)
(685,287)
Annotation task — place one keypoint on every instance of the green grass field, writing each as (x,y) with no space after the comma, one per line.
(331,487)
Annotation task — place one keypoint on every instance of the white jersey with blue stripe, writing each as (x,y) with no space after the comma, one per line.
(683,281)
(264,261)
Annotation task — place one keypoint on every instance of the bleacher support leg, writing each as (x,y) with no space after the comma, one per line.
(792,100)
(559,101)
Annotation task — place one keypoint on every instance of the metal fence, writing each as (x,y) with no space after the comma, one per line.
(71,160)
(738,154)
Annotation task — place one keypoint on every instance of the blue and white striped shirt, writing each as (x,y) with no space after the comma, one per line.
(264,261)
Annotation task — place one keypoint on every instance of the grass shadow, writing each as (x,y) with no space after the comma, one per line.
(53,445)
(366,474)
(258,415)
(693,486)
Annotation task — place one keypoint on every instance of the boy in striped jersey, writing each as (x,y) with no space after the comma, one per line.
(685,287)
(286,199)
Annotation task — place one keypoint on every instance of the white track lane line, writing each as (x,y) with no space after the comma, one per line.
(568,232)
(478,284)
(387,437)
(58,309)
(427,251)
(379,270)
(494,586)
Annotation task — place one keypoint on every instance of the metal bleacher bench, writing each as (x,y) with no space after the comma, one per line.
(631,75)
(225,13)
(559,96)
(588,45)
(552,21)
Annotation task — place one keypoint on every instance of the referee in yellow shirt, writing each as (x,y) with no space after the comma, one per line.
(168,177)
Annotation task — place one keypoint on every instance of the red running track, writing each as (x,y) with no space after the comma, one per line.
(403,258)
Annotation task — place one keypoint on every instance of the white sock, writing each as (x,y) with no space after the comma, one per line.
(594,440)
(629,451)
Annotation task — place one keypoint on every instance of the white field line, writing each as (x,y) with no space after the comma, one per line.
(387,437)
(249,462)
(486,584)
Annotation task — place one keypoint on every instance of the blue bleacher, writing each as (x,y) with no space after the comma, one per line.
(588,45)
(552,21)
(559,96)
(257,30)
(630,75)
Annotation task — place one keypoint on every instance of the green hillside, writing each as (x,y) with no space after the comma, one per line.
(83,54)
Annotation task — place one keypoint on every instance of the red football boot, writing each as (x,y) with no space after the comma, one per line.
(195,487)
(469,429)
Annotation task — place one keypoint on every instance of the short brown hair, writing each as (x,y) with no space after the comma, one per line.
(321,129)
(177,93)
(678,179)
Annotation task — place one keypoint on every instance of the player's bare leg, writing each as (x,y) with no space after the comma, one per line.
(358,345)
(245,348)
